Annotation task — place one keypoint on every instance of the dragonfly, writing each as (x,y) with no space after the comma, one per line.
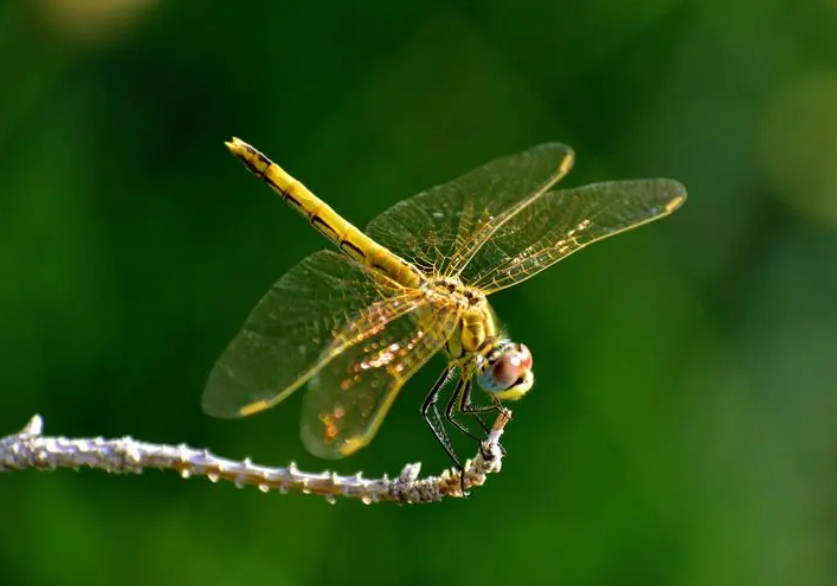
(356,323)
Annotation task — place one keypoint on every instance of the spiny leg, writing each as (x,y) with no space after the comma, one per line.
(485,427)
(452,403)
(437,428)
(465,406)
(462,396)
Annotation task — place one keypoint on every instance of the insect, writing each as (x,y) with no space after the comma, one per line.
(356,323)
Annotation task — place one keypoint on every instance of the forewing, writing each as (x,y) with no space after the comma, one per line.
(290,334)
(561,222)
(348,399)
(430,228)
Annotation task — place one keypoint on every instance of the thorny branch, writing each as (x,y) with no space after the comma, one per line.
(29,448)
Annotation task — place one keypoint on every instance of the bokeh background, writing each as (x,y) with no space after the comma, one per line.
(683,430)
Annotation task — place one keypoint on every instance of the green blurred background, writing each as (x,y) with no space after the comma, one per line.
(682,430)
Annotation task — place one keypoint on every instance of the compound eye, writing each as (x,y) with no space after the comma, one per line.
(505,372)
(512,368)
(525,356)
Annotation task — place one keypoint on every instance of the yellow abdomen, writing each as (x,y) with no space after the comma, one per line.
(329,223)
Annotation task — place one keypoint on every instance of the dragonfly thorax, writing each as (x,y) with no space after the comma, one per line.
(455,290)
(476,321)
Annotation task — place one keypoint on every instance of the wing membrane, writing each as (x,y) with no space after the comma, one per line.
(560,222)
(290,334)
(433,229)
(348,398)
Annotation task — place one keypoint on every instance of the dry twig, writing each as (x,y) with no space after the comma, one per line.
(29,448)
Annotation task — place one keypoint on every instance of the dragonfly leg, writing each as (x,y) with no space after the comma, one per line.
(435,422)
(461,396)
(485,427)
(452,403)
(466,406)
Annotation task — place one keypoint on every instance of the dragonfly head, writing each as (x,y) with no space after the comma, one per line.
(505,371)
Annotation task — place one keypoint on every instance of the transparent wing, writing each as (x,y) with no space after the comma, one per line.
(348,399)
(290,334)
(560,222)
(433,228)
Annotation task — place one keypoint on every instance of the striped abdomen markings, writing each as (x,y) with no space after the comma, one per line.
(329,223)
